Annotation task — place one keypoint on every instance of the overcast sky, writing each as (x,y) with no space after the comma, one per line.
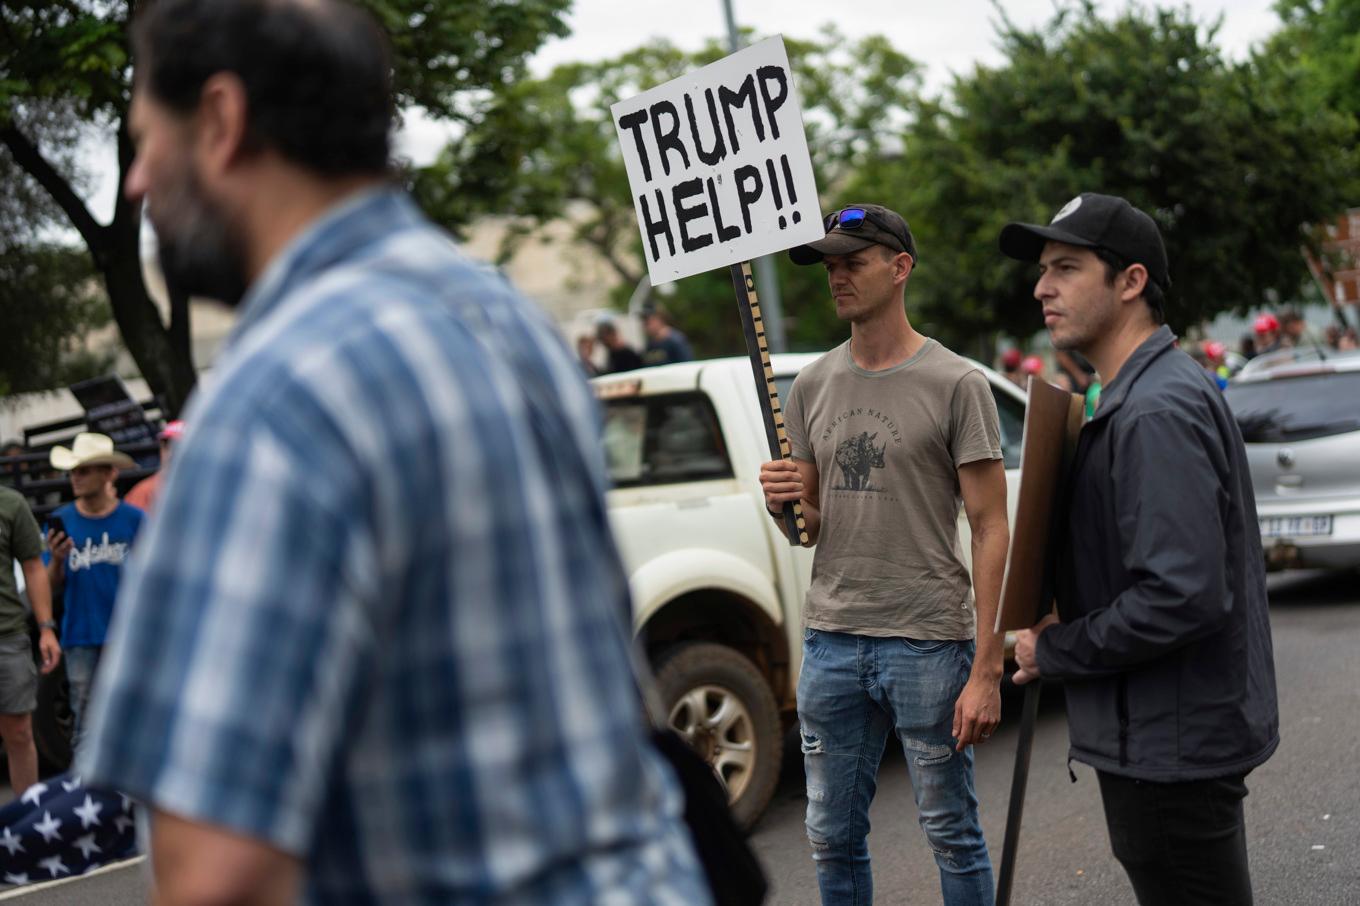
(946,36)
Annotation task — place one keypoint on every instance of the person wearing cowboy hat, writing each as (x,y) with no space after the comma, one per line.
(88,541)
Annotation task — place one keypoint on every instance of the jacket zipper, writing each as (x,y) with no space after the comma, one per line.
(1122,707)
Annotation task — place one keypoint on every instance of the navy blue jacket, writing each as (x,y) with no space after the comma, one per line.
(1164,644)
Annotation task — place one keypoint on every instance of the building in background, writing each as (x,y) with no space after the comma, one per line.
(562,274)
(1338,270)
(569,280)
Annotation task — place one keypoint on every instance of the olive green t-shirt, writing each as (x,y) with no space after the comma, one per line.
(19,540)
(887,446)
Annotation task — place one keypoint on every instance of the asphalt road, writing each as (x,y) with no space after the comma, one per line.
(122,884)
(1303,813)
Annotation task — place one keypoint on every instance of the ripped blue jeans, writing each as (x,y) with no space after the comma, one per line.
(852,692)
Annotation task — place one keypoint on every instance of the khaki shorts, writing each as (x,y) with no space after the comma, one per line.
(18,675)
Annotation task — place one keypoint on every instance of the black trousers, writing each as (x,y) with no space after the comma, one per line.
(1182,844)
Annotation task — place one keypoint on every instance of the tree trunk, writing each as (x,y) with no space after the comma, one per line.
(163,355)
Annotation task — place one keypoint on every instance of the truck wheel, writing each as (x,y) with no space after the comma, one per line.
(721,705)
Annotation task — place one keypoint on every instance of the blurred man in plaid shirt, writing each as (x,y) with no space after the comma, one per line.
(374,647)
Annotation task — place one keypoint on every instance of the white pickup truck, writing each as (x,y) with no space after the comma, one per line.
(717,590)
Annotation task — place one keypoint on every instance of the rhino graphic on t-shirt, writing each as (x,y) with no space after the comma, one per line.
(856,456)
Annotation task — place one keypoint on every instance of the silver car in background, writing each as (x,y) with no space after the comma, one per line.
(1301,424)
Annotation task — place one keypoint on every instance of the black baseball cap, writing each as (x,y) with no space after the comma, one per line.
(1095,222)
(855,227)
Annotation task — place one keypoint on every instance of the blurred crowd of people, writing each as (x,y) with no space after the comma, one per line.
(19,473)
(1270,333)
(13,473)
(608,352)
(1070,372)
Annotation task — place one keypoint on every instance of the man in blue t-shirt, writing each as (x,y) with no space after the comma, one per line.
(88,546)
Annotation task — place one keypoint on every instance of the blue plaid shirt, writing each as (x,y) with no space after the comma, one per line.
(377,619)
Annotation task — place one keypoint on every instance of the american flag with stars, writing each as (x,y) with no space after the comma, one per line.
(60,828)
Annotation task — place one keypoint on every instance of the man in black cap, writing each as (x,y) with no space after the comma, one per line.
(888,431)
(1164,641)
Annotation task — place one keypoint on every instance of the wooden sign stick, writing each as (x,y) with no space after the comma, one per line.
(758,351)
(1015,811)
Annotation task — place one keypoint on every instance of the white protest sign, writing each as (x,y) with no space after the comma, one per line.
(718,165)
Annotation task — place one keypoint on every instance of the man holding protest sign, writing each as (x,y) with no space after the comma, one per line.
(888,431)
(1164,641)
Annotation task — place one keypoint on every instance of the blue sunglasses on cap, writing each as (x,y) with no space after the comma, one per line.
(853,219)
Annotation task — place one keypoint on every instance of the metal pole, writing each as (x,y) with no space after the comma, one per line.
(641,294)
(733,36)
(770,301)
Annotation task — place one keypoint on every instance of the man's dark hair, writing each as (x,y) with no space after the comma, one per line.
(317,75)
(1152,293)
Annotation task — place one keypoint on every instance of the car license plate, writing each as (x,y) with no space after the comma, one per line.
(1295,526)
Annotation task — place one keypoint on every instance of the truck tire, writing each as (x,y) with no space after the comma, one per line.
(723,707)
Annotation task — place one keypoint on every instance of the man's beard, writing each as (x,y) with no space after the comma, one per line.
(1069,342)
(199,253)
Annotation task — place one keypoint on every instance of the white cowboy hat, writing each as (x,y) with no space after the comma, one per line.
(89,450)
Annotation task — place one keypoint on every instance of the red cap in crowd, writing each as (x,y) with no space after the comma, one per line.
(1214,350)
(1266,323)
(1032,364)
(1011,358)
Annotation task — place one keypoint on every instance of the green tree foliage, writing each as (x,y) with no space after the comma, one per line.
(65,74)
(50,300)
(1322,37)
(1315,56)
(1233,163)
(1235,160)
(549,143)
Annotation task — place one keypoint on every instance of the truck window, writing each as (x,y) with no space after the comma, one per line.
(663,440)
(625,426)
(1012,413)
